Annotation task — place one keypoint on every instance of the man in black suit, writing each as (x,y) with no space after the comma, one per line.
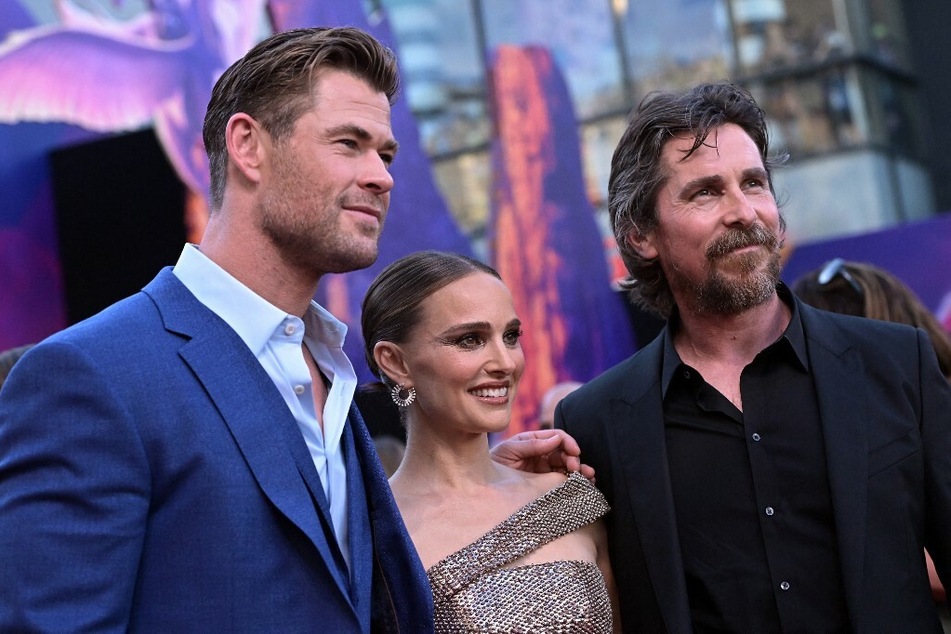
(770,467)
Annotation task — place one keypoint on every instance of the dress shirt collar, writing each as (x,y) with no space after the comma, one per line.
(251,316)
(793,336)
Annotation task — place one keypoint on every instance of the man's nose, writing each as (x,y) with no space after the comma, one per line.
(376,175)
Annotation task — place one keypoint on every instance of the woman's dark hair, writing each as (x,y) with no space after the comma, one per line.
(637,171)
(393,304)
(277,80)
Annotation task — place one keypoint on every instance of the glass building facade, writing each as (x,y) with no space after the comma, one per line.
(835,78)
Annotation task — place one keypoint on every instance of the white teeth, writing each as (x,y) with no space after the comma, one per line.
(494,392)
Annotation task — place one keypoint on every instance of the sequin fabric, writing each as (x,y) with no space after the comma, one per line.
(473,591)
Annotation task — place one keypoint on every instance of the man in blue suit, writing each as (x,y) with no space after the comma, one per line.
(770,467)
(190,460)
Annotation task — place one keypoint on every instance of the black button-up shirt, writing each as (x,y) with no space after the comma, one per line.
(751,493)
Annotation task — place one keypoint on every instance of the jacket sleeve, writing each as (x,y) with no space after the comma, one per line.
(74,496)
(936,445)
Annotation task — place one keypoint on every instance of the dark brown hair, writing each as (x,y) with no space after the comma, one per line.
(393,304)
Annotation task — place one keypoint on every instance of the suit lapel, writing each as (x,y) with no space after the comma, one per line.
(401,598)
(361,538)
(639,447)
(840,387)
(256,415)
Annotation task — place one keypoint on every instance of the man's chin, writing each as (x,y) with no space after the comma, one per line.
(356,261)
(733,294)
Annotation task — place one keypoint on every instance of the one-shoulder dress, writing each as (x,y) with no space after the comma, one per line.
(474,591)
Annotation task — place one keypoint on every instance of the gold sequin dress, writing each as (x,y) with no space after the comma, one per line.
(473,591)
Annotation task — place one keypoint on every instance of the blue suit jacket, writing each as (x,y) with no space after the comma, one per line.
(885,411)
(153,479)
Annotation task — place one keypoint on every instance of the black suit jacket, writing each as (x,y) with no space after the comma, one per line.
(886,417)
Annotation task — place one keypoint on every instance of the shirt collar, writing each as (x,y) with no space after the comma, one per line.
(793,336)
(794,333)
(322,326)
(671,360)
(252,317)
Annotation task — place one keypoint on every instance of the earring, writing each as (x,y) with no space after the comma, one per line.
(403,396)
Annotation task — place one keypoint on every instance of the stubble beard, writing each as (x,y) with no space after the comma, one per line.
(304,225)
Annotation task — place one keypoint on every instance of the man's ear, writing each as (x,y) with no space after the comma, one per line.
(389,358)
(642,243)
(246,145)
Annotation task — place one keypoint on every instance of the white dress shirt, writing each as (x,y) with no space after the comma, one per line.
(275,337)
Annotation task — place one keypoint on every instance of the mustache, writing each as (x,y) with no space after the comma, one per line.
(734,239)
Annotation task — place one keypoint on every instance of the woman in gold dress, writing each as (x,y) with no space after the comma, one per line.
(505,550)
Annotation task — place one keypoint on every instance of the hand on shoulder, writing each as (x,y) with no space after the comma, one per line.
(542,451)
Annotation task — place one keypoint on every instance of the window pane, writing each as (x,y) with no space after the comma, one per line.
(442,70)
(773,34)
(814,114)
(675,44)
(579,34)
(893,113)
(881,31)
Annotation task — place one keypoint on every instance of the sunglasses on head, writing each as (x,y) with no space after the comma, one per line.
(836,268)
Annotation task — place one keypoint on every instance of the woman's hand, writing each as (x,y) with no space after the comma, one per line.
(542,451)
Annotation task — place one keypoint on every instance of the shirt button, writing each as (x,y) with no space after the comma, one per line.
(769,510)
(784,585)
(289,329)
(686,374)
(756,437)
(298,389)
